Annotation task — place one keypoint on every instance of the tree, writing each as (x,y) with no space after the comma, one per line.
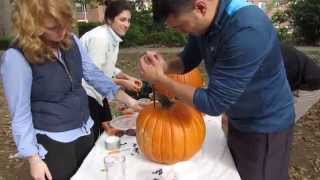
(5,17)
(305,16)
(142,4)
(83,6)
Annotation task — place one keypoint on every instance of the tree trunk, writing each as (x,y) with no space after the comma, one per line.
(5,17)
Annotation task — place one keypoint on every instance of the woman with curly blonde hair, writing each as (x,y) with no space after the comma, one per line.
(49,108)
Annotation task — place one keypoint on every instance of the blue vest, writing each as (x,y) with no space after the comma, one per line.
(58,101)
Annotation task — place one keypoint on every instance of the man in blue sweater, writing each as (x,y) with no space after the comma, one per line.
(247,79)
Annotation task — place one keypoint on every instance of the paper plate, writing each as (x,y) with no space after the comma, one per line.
(125,122)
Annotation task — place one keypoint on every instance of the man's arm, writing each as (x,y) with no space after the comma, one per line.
(236,66)
(231,74)
(154,69)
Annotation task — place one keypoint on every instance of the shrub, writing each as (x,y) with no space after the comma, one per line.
(144,31)
(5,42)
(305,17)
(168,37)
(84,27)
(135,36)
(281,22)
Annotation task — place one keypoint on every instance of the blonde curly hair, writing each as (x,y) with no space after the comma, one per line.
(28,20)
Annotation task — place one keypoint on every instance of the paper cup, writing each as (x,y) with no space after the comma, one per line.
(112,142)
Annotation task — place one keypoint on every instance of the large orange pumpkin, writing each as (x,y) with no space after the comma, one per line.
(192,78)
(170,134)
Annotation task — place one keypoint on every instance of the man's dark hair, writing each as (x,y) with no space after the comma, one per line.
(163,8)
(114,8)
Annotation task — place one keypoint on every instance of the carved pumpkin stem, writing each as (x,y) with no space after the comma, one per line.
(154,96)
(165,101)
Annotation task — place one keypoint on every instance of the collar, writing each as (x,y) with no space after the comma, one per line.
(115,38)
(216,23)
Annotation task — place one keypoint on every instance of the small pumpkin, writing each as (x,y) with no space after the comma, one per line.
(170,133)
(192,78)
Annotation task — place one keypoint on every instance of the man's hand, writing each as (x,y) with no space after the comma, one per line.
(38,168)
(152,67)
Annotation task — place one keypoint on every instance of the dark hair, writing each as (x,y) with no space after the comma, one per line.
(163,8)
(114,8)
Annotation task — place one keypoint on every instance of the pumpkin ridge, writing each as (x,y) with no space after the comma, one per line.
(157,151)
(176,135)
(172,141)
(155,146)
(149,136)
(191,126)
(180,120)
(190,138)
(144,124)
(164,145)
(196,125)
(194,136)
(202,126)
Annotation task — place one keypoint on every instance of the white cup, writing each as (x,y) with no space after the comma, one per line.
(112,142)
(115,167)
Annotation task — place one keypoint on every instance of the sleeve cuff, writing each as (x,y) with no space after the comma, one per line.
(37,149)
(202,102)
(112,94)
(117,71)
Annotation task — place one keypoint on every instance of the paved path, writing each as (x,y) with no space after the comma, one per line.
(308,48)
(304,102)
(142,49)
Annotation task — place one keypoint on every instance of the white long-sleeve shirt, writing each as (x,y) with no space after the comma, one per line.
(102,45)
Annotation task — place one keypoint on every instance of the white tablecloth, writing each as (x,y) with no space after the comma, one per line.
(214,161)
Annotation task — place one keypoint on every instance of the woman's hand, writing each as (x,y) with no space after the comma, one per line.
(130,84)
(137,83)
(38,168)
(135,105)
(129,101)
(124,109)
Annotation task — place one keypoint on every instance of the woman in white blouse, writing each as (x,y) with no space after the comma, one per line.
(102,44)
